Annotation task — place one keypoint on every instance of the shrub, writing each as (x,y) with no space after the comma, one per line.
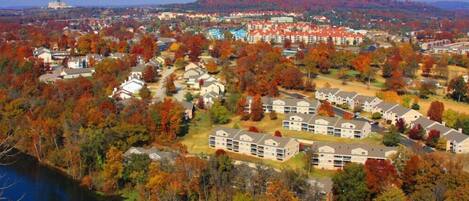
(273,115)
(376,115)
(415,106)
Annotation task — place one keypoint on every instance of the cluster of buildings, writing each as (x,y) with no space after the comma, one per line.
(298,32)
(390,112)
(457,142)
(263,13)
(445,46)
(334,126)
(58,4)
(219,34)
(284,105)
(254,144)
(209,87)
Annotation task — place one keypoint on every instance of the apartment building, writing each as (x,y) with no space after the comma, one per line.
(285,105)
(301,32)
(254,144)
(399,112)
(334,126)
(457,142)
(351,99)
(333,156)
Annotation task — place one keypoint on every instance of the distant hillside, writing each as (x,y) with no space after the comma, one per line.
(310,5)
(451,5)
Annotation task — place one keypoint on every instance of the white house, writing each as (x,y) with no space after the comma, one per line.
(285,105)
(366,103)
(400,112)
(212,86)
(254,144)
(333,156)
(344,98)
(128,88)
(326,94)
(78,62)
(70,73)
(43,53)
(327,125)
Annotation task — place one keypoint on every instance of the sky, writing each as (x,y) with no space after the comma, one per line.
(42,3)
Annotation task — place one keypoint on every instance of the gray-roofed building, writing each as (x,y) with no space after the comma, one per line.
(327,125)
(344,97)
(285,105)
(400,112)
(456,141)
(383,107)
(69,73)
(329,155)
(326,94)
(153,153)
(255,144)
(366,103)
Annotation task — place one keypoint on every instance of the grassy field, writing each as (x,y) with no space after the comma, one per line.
(196,141)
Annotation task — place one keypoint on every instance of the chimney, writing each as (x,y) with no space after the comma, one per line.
(460,130)
(444,123)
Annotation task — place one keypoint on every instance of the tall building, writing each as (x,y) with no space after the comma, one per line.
(58,4)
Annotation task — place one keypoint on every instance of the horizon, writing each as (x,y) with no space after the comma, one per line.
(118,3)
(88,3)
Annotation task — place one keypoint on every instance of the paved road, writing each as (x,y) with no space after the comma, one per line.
(161,90)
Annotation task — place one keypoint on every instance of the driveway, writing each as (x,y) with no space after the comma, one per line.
(160,91)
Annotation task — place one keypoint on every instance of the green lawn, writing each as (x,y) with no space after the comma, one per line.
(196,141)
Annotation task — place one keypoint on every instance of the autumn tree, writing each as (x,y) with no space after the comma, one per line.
(435,112)
(391,138)
(326,109)
(277,133)
(416,132)
(292,78)
(149,74)
(392,193)
(427,66)
(380,174)
(145,93)
(257,111)
(212,67)
(433,138)
(350,183)
(277,191)
(458,89)
(362,64)
(170,86)
(113,169)
(219,114)
(348,115)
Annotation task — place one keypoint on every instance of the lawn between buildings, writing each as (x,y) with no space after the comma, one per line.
(196,140)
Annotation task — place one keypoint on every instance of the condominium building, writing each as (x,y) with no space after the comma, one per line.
(285,105)
(327,125)
(333,156)
(301,32)
(457,142)
(351,99)
(254,144)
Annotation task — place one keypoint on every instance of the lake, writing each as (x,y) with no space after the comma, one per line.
(30,181)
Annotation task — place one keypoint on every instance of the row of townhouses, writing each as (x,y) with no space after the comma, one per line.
(391,112)
(254,144)
(457,142)
(334,126)
(333,156)
(197,78)
(284,105)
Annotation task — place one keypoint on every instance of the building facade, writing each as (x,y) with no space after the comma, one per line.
(327,125)
(254,144)
(334,156)
(285,105)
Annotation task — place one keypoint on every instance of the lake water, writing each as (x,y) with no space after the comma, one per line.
(30,181)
